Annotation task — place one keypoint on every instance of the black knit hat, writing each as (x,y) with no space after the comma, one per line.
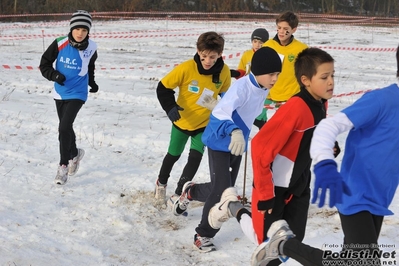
(260,34)
(80,19)
(265,61)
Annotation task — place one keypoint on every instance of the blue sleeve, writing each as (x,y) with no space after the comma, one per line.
(217,134)
(364,112)
(223,119)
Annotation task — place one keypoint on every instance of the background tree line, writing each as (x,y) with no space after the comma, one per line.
(383,8)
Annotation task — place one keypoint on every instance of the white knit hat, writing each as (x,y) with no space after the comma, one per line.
(80,19)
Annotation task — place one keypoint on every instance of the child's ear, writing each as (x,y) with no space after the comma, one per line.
(305,81)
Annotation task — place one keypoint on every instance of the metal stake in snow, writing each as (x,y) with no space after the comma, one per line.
(244,199)
(43,39)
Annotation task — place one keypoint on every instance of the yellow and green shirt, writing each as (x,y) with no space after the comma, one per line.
(191,85)
(286,85)
(245,61)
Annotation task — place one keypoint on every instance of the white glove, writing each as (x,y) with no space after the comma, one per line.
(209,102)
(237,143)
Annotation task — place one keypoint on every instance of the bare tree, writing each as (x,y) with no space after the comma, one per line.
(360,7)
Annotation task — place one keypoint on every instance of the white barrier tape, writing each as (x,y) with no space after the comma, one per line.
(230,56)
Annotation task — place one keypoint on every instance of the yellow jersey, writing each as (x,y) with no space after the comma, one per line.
(245,61)
(191,85)
(286,85)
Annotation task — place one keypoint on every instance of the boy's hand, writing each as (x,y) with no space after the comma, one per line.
(328,177)
(237,73)
(174,114)
(266,205)
(337,149)
(237,143)
(58,77)
(234,73)
(94,87)
(209,102)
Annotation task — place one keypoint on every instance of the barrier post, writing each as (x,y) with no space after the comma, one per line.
(43,39)
(167,29)
(372,31)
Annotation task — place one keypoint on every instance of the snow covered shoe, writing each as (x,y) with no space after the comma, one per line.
(181,204)
(160,193)
(172,200)
(220,213)
(74,163)
(269,250)
(203,244)
(62,175)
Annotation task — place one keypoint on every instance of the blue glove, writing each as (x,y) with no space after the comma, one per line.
(328,177)
(173,113)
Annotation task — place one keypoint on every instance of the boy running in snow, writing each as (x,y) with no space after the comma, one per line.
(288,47)
(226,137)
(75,57)
(364,188)
(280,156)
(258,38)
(203,77)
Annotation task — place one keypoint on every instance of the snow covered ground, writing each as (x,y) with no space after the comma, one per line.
(105,215)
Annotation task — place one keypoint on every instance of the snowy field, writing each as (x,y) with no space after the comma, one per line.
(105,215)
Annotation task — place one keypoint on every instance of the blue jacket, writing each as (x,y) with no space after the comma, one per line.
(76,65)
(370,163)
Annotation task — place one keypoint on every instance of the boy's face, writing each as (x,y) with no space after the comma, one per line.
(267,80)
(284,32)
(256,44)
(208,58)
(321,85)
(79,34)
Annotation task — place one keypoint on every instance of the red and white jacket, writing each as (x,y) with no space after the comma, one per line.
(280,151)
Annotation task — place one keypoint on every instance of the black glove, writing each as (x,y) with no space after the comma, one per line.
(173,113)
(337,149)
(259,123)
(265,205)
(94,87)
(58,77)
(234,73)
